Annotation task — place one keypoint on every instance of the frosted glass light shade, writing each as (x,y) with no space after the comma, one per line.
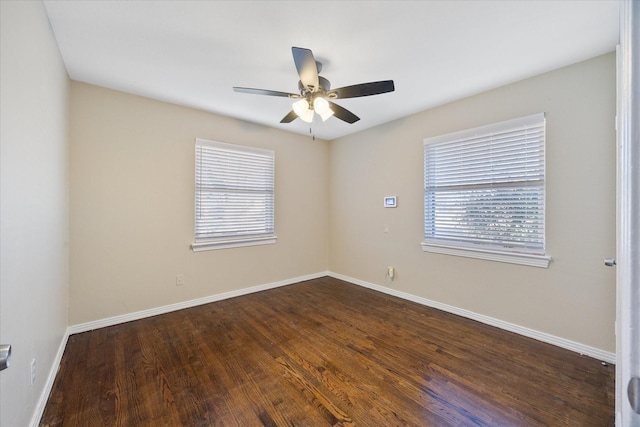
(303,111)
(322,107)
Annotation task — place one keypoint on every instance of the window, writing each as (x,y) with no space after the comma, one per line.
(234,203)
(484,192)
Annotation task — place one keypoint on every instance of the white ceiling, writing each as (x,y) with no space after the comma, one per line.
(192,53)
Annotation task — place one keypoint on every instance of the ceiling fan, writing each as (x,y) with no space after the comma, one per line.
(316,94)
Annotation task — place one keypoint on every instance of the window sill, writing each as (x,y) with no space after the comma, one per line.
(541,261)
(209,245)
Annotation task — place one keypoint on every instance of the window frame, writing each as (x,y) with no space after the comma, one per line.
(239,237)
(487,251)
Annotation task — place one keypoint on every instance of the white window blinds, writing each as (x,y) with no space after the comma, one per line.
(234,200)
(485,187)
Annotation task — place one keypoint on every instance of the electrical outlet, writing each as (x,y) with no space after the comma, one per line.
(33,371)
(391,273)
(180,280)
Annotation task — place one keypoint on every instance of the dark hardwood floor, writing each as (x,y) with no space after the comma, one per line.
(322,353)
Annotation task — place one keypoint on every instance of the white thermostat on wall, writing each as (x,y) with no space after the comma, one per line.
(390,202)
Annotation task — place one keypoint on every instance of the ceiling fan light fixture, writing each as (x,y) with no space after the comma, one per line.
(321,106)
(303,111)
(326,115)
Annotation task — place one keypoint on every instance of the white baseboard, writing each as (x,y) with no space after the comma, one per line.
(115,320)
(46,391)
(596,353)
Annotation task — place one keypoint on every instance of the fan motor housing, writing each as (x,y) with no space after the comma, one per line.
(324,84)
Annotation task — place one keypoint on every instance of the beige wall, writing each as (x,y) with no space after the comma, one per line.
(132,206)
(34,217)
(574,298)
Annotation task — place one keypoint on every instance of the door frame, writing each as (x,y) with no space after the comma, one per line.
(628,211)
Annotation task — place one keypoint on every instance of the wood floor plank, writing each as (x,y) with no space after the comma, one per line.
(322,353)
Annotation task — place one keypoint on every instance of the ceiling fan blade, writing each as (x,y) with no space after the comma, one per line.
(265,92)
(307,68)
(289,117)
(363,89)
(343,114)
